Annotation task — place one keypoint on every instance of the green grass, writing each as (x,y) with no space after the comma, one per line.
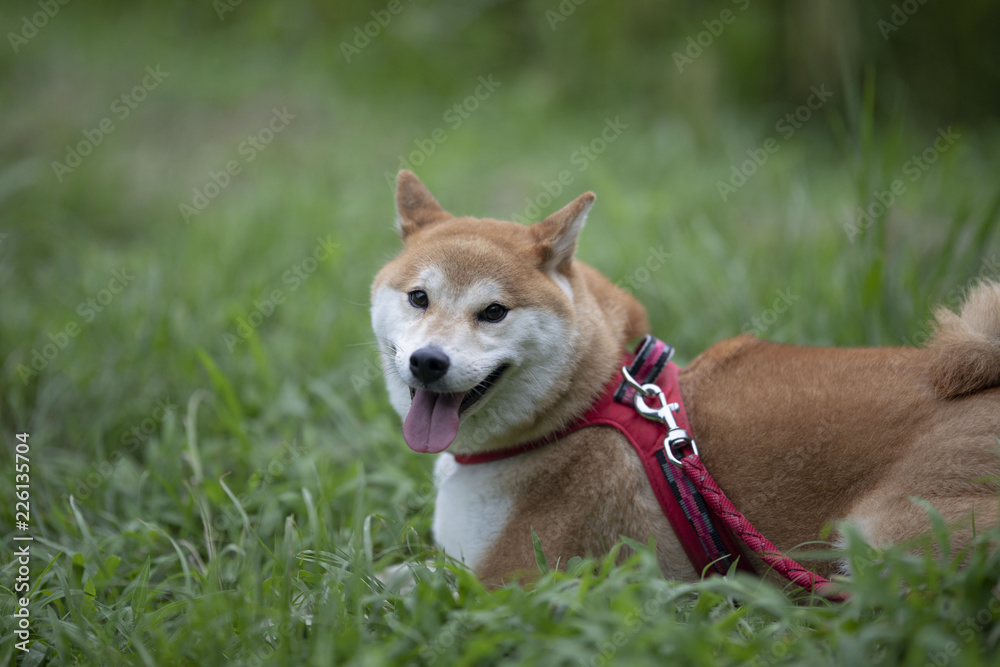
(201,496)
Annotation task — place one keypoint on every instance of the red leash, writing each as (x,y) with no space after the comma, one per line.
(760,545)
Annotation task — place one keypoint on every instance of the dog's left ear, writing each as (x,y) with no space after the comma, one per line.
(416,207)
(556,235)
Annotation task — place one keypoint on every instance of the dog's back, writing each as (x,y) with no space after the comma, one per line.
(799,437)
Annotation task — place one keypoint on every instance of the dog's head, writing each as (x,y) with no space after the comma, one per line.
(475,319)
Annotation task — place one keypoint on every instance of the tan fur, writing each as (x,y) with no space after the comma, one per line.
(797,437)
(966,346)
(580,494)
(415,205)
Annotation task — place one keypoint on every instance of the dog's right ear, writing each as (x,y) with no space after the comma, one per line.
(416,207)
(556,235)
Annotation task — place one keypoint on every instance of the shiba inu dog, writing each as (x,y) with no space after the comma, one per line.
(492,335)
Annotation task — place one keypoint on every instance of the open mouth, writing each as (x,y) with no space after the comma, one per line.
(432,423)
(480,389)
(477,392)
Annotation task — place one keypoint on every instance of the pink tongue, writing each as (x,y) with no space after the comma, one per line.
(432,422)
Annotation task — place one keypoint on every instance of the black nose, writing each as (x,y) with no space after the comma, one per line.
(429,363)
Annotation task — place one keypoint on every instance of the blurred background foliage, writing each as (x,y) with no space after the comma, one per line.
(937,59)
(307,374)
(899,71)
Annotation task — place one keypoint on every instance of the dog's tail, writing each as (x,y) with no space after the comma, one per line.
(966,345)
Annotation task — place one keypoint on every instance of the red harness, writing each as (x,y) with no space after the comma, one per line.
(692,502)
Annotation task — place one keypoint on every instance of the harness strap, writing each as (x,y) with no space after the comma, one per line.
(651,359)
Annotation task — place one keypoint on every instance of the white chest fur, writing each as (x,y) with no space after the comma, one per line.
(473,505)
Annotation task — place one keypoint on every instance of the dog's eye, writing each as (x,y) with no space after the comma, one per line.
(418,298)
(493,313)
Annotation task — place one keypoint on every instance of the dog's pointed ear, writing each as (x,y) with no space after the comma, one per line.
(556,235)
(416,207)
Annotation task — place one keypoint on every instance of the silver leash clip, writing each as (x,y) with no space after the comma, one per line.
(676,436)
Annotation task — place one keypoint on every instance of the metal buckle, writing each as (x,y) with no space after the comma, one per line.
(676,436)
